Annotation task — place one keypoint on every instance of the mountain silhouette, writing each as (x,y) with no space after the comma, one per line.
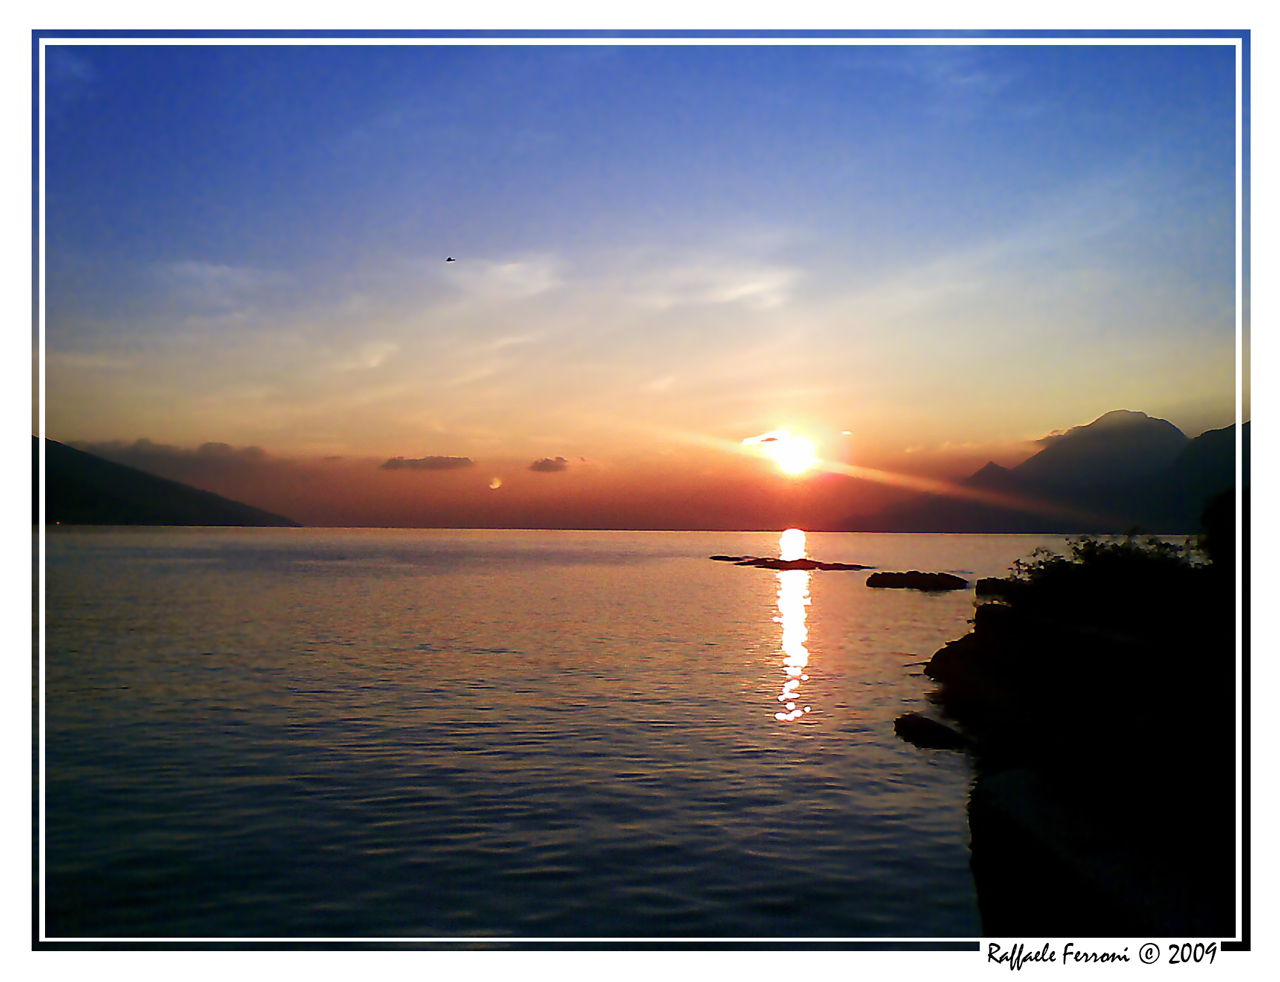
(1124,471)
(1113,449)
(81,489)
(992,475)
(1205,467)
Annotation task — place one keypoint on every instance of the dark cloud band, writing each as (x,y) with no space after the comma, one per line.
(549,464)
(427,463)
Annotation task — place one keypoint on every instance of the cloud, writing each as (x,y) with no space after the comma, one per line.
(750,283)
(959,80)
(498,344)
(661,384)
(773,436)
(145,451)
(205,462)
(212,287)
(494,281)
(549,465)
(224,452)
(91,361)
(366,356)
(427,463)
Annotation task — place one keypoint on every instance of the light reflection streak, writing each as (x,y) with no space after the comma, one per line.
(911,482)
(791,544)
(793,599)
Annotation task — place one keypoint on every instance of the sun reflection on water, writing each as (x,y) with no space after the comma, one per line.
(793,598)
(791,544)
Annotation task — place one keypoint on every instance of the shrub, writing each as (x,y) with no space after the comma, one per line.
(1105,558)
(1121,584)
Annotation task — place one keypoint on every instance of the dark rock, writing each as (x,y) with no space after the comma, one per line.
(783,564)
(915,580)
(799,564)
(997,621)
(854,566)
(1066,690)
(767,563)
(955,662)
(1098,872)
(928,733)
(995,586)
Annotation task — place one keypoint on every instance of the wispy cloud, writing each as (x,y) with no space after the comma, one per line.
(690,281)
(205,287)
(492,281)
(370,355)
(498,344)
(663,383)
(960,81)
(89,361)
(1052,249)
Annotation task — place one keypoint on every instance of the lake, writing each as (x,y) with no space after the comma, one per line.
(388,733)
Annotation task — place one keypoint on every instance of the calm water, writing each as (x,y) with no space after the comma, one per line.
(418,733)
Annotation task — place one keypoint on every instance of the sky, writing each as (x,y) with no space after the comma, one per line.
(916,257)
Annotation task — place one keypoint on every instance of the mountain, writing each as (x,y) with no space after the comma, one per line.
(81,489)
(1203,468)
(1125,470)
(1116,448)
(992,475)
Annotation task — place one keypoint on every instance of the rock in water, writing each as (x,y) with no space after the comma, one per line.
(928,733)
(767,562)
(915,580)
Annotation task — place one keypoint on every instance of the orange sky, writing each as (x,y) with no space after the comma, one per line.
(660,250)
(686,487)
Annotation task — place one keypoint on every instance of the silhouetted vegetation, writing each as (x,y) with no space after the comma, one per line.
(1100,649)
(1104,680)
(1128,585)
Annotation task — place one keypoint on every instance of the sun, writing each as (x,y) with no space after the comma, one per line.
(794,454)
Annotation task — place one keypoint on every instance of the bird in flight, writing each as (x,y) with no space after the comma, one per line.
(451,260)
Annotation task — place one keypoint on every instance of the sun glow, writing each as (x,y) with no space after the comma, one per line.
(791,544)
(794,454)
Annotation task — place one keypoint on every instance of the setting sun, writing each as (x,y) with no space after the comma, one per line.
(794,454)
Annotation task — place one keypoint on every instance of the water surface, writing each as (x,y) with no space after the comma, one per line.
(419,733)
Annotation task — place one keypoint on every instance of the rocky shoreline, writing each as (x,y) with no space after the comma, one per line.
(1096,696)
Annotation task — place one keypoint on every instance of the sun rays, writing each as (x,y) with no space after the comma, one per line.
(794,454)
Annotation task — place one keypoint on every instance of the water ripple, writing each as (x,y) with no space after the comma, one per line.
(305,732)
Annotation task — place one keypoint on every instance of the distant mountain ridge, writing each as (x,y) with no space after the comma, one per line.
(81,489)
(1125,470)
(1117,447)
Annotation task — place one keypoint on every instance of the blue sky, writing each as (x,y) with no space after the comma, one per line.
(940,249)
